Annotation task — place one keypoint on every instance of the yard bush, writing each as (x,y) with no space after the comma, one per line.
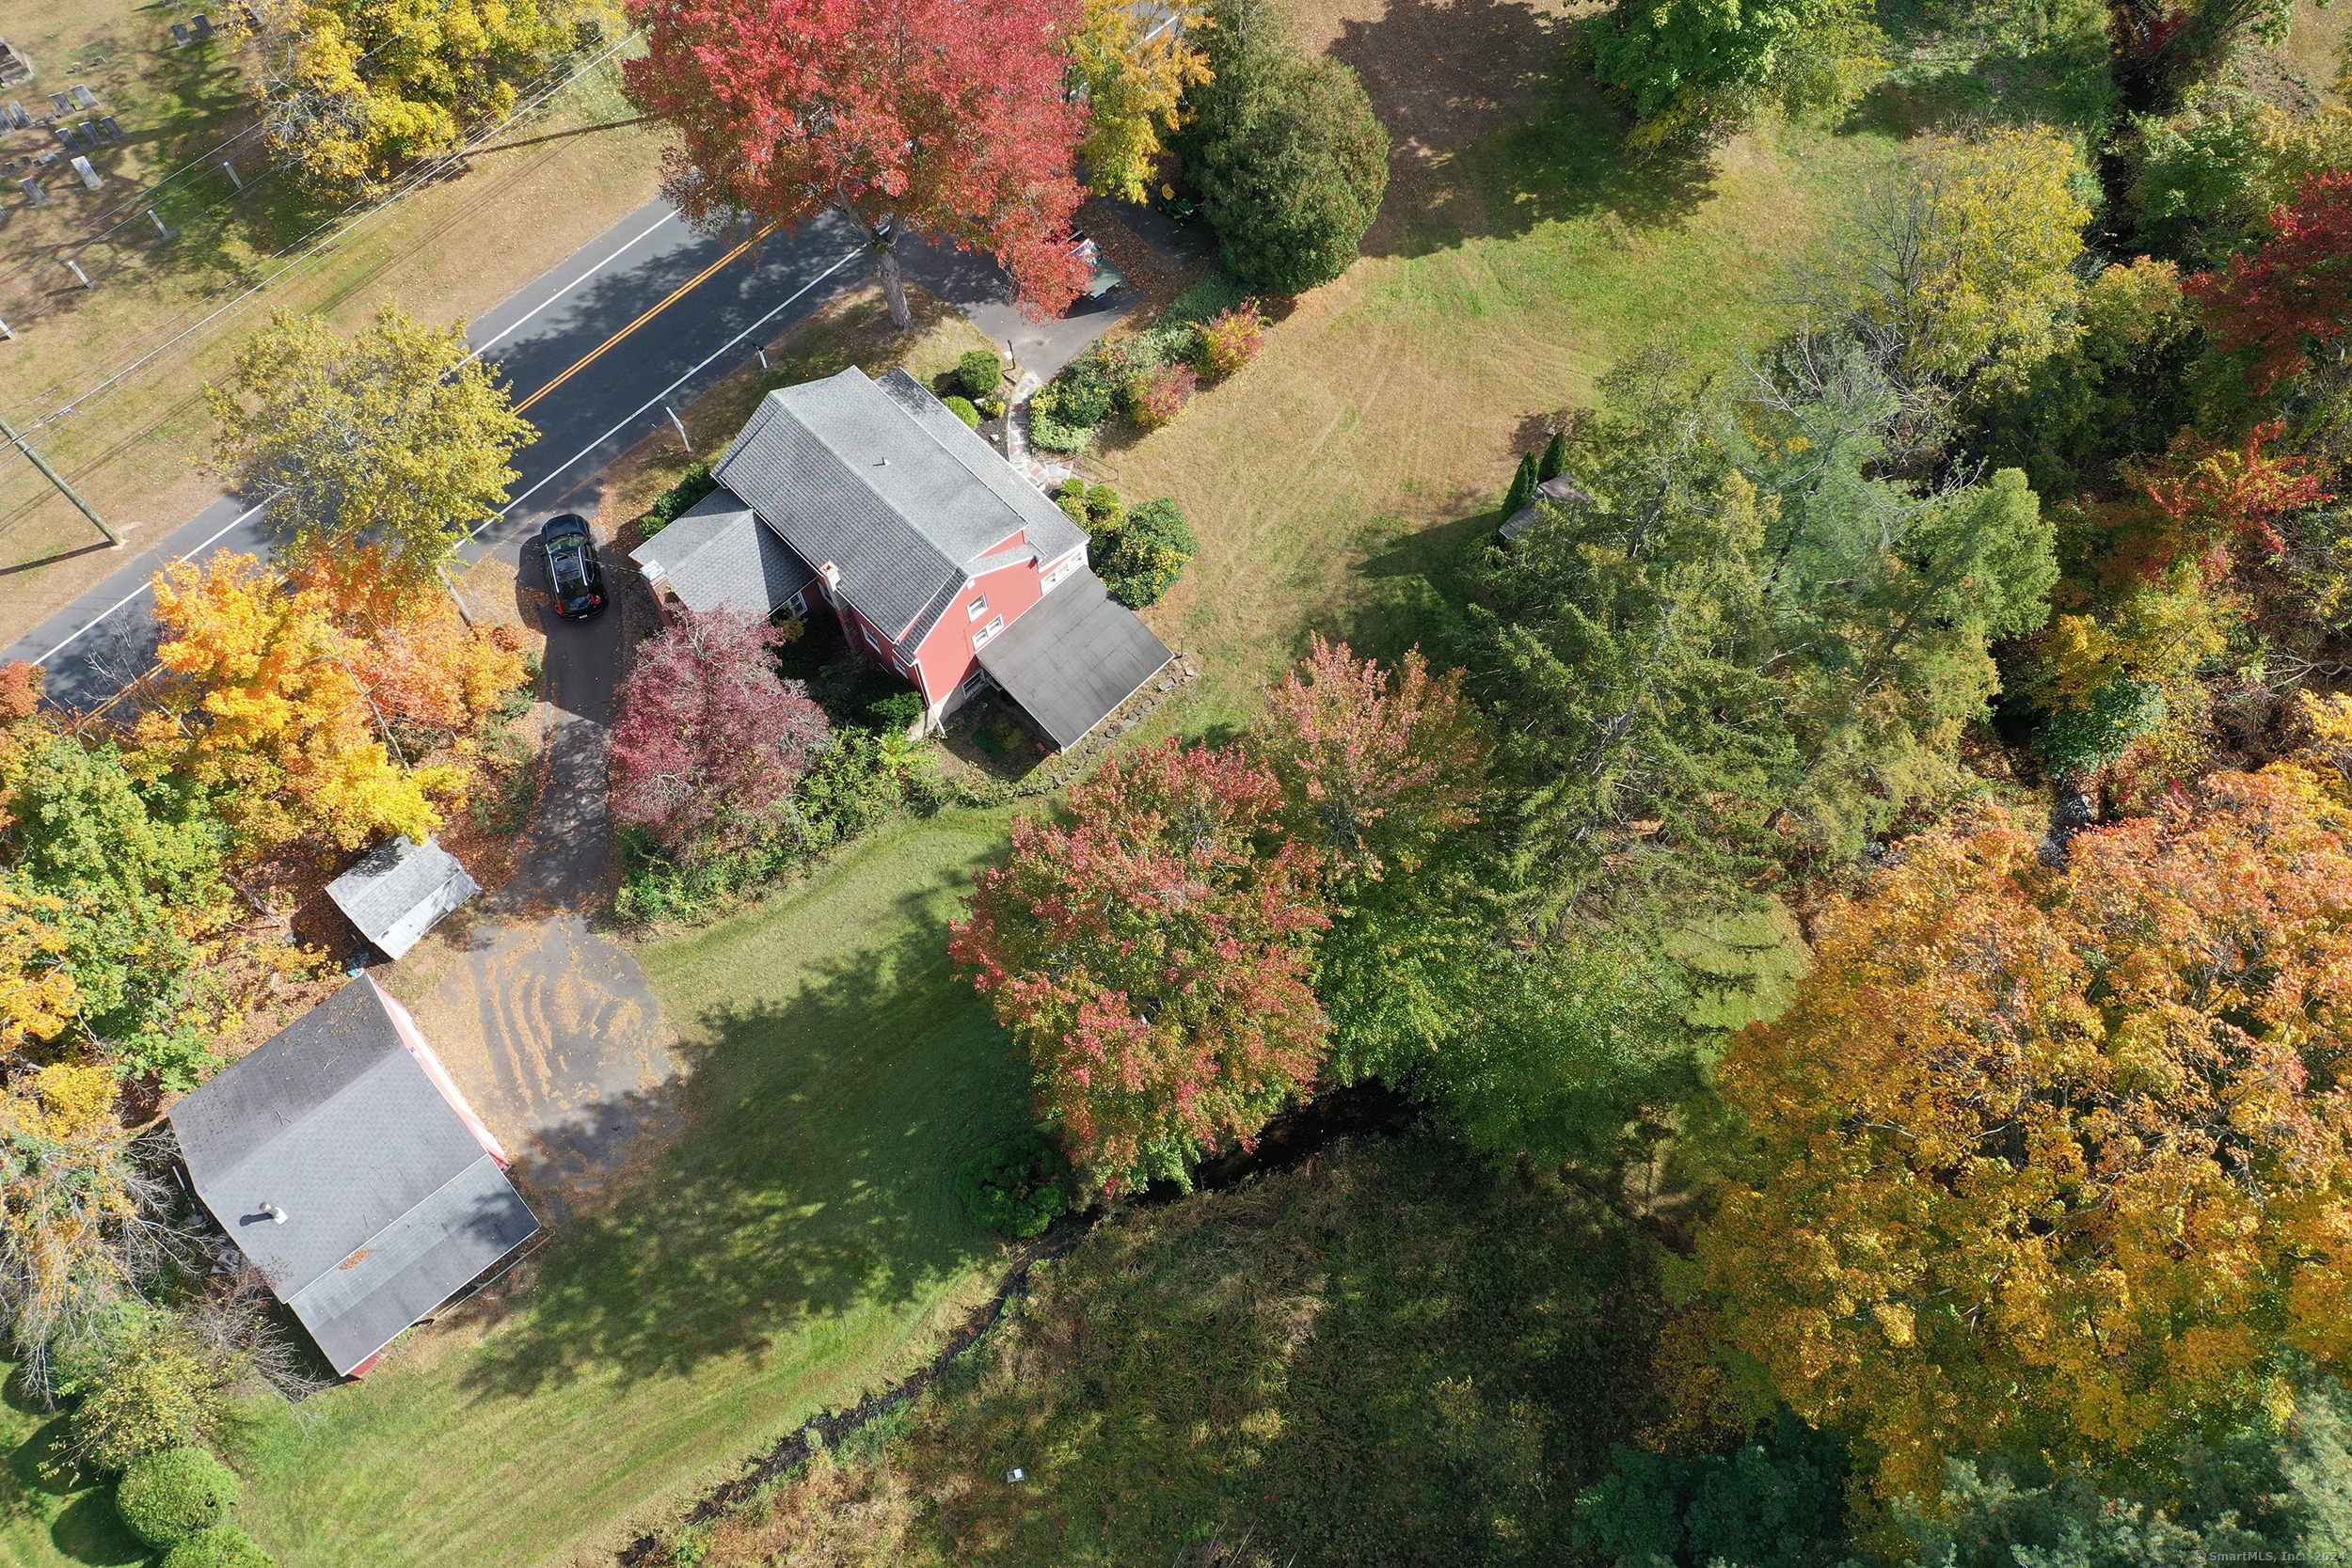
(1142,562)
(894,713)
(225,1547)
(1088,386)
(161,1393)
(670,504)
(1104,511)
(1163,396)
(1232,338)
(961,409)
(165,1498)
(979,372)
(1051,427)
(1018,1188)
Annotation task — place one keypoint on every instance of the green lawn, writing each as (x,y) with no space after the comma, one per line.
(800,1241)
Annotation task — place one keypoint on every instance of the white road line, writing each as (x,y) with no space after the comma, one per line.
(666,218)
(557,472)
(510,506)
(143,587)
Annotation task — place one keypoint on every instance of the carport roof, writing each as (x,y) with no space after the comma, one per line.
(393,1202)
(718,555)
(1075,656)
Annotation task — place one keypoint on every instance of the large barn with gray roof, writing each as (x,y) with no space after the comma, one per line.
(937,556)
(346,1165)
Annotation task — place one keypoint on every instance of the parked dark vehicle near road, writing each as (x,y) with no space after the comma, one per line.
(572,570)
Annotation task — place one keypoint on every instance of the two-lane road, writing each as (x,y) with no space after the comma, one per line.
(642,274)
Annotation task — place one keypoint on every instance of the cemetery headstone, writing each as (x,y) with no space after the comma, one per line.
(114,128)
(83,96)
(32,188)
(18,118)
(61,103)
(203,27)
(65,135)
(89,176)
(180,40)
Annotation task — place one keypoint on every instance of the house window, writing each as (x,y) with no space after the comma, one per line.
(797,605)
(871,640)
(1055,577)
(977,607)
(988,631)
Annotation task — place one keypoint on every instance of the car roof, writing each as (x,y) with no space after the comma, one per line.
(570,526)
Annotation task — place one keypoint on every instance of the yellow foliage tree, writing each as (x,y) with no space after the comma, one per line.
(1135,85)
(37,996)
(261,702)
(1968,255)
(2047,1161)
(393,437)
(421,666)
(76,1228)
(354,90)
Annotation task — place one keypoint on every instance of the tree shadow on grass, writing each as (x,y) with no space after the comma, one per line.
(1395,1356)
(76,1507)
(1495,131)
(812,1175)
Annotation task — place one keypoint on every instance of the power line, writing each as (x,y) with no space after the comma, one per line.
(415,180)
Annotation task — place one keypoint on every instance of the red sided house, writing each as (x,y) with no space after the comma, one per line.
(938,557)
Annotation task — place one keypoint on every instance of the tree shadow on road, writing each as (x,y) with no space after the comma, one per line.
(811,1176)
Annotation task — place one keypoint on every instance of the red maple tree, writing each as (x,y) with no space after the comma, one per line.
(934,118)
(2290,299)
(709,741)
(1153,954)
(2201,499)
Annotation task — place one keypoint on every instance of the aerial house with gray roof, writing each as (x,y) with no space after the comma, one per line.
(346,1165)
(940,560)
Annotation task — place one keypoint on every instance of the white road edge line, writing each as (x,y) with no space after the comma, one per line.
(559,471)
(666,218)
(510,506)
(241,517)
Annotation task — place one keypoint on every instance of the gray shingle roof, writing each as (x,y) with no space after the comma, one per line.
(400,889)
(718,555)
(392,1203)
(1562,491)
(1073,658)
(886,485)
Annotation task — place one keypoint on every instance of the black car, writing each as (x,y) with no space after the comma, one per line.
(572,569)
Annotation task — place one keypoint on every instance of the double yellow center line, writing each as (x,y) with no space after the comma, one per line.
(679,292)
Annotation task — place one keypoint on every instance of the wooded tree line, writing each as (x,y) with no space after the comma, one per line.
(1991,620)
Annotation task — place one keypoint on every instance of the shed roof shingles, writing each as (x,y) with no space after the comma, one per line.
(896,493)
(717,556)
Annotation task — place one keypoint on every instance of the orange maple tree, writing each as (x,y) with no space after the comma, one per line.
(260,700)
(420,663)
(2053,1160)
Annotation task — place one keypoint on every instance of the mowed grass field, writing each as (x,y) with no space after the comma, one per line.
(799,1243)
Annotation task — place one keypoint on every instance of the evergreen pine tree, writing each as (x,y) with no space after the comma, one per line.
(1555,459)
(1522,486)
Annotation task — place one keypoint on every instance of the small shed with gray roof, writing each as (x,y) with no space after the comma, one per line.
(346,1165)
(717,556)
(400,889)
(1075,659)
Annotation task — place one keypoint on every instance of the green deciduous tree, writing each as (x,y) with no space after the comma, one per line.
(1697,68)
(1291,161)
(393,435)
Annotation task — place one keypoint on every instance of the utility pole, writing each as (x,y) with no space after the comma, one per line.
(58,480)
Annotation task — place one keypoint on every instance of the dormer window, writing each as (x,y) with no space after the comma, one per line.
(977,607)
